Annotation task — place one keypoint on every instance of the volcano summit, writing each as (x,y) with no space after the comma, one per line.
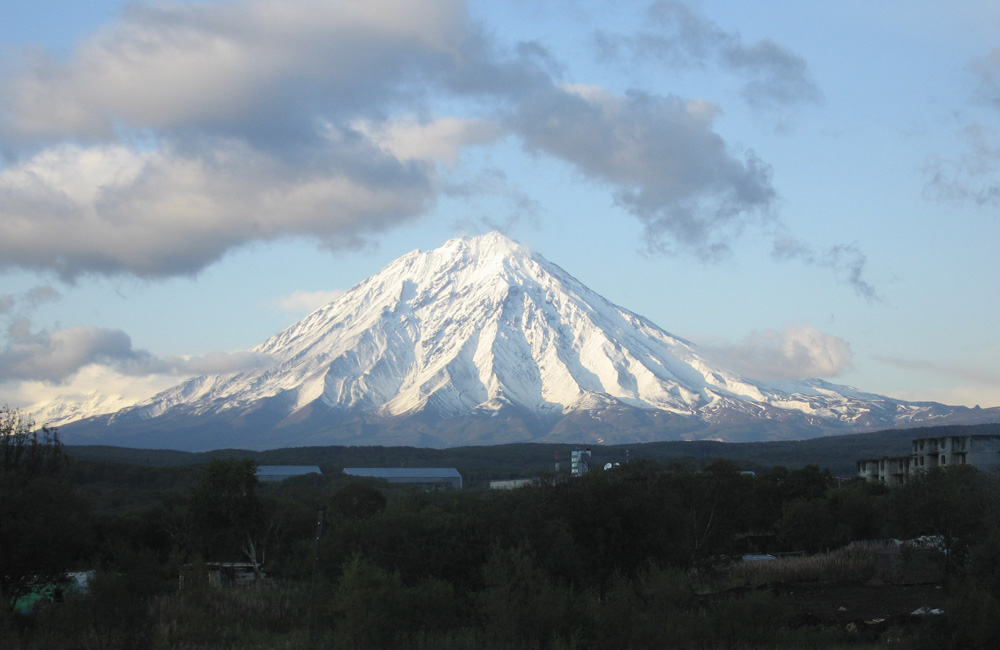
(482,341)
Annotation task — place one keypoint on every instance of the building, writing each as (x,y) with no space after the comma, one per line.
(274,473)
(980,451)
(426,476)
(232,574)
(579,462)
(224,574)
(513,484)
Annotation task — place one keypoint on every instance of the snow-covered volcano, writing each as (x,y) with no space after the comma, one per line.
(438,344)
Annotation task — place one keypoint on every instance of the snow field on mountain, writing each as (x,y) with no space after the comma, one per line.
(482,323)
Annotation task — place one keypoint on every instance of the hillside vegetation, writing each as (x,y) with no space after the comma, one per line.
(645,555)
(483,463)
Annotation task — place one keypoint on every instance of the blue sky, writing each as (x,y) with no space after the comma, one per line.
(804,189)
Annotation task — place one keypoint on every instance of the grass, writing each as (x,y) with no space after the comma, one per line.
(847,563)
(275,617)
(224,618)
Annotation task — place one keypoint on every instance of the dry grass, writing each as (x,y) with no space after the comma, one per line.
(225,617)
(846,563)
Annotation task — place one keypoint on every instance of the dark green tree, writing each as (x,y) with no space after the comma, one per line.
(955,503)
(521,605)
(807,525)
(226,513)
(710,508)
(809,482)
(859,510)
(357,501)
(43,523)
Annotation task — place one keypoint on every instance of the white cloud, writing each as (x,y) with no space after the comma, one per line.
(92,382)
(215,363)
(57,357)
(962,395)
(112,210)
(965,382)
(224,65)
(54,356)
(794,352)
(306,301)
(438,140)
(186,130)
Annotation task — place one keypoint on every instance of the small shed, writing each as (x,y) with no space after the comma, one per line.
(231,574)
(274,473)
(223,574)
(428,476)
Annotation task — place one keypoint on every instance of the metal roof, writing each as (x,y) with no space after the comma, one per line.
(404,472)
(287,470)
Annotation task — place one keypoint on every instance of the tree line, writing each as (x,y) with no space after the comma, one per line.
(619,558)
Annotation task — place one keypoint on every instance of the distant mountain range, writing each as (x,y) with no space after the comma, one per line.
(482,341)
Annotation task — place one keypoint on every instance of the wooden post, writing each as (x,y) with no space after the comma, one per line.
(312,588)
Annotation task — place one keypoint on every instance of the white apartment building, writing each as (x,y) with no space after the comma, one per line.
(982,452)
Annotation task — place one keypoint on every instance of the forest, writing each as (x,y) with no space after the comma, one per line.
(647,554)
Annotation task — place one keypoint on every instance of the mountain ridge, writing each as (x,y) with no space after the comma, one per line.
(837,453)
(486,340)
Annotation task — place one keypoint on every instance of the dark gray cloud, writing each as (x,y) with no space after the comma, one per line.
(505,205)
(41,294)
(187,130)
(775,76)
(200,127)
(23,303)
(987,73)
(680,37)
(660,157)
(56,356)
(970,176)
(847,260)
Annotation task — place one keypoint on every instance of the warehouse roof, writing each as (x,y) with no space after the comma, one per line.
(409,474)
(403,472)
(283,471)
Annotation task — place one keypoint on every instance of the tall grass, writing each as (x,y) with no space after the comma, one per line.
(847,563)
(642,611)
(274,616)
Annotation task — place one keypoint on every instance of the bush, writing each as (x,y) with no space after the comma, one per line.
(523,606)
(368,604)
